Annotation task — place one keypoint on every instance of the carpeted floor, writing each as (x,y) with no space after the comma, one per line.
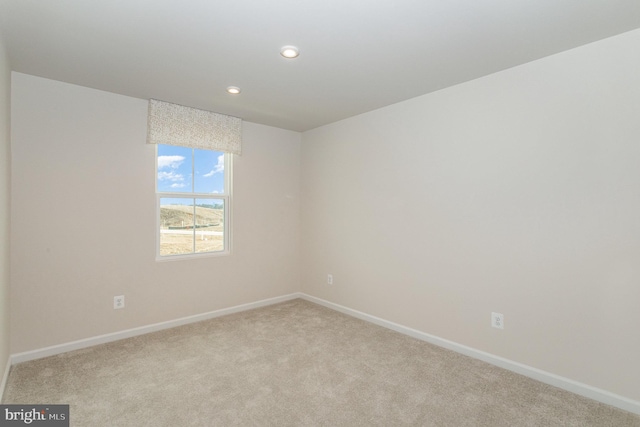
(293,364)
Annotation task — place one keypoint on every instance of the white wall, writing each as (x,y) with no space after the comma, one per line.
(83,206)
(5,203)
(517,193)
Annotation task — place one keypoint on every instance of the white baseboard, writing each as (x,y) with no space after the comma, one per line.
(115,336)
(5,376)
(528,371)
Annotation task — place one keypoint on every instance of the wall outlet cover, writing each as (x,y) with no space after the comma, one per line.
(497,320)
(118,302)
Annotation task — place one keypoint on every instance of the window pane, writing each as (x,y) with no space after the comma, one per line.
(174,169)
(176,226)
(209,171)
(209,225)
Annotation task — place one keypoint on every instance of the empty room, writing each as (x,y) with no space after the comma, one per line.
(330,213)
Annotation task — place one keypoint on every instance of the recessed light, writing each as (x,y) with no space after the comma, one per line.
(233,90)
(289,52)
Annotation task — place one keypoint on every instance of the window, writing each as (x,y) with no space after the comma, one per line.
(193,201)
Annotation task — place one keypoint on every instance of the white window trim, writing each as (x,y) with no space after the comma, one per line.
(228,178)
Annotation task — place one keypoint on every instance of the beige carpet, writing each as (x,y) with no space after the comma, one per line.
(293,364)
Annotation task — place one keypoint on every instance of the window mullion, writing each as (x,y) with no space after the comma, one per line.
(193,225)
(193,190)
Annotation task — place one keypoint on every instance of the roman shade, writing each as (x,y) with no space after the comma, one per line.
(174,124)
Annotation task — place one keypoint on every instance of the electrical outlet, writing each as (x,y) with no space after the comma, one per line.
(329,279)
(118,302)
(497,320)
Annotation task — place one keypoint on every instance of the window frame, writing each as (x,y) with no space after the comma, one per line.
(226,196)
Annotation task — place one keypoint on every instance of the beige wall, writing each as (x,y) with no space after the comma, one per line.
(5,199)
(84,220)
(517,193)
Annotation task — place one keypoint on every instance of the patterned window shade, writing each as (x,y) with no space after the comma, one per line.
(174,124)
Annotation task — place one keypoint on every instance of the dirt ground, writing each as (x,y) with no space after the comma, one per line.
(175,242)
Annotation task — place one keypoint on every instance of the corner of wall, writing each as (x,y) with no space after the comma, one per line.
(5,202)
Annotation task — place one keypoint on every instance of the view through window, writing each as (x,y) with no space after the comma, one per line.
(193,201)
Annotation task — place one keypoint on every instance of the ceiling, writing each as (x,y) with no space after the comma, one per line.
(355,55)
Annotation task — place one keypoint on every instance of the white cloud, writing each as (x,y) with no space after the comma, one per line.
(176,185)
(170,176)
(172,162)
(217,168)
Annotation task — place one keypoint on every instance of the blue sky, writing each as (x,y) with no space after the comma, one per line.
(175,173)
